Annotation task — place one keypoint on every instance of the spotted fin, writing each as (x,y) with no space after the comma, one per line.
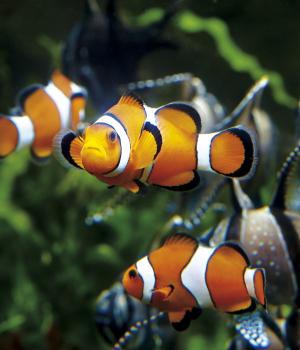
(181,182)
(68,147)
(182,115)
(147,147)
(231,152)
(180,239)
(181,320)
(253,329)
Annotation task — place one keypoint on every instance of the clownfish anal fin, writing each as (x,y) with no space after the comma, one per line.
(147,147)
(26,93)
(131,99)
(181,320)
(40,158)
(135,186)
(181,182)
(182,115)
(180,239)
(247,307)
(68,147)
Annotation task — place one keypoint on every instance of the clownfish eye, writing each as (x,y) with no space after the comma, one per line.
(132,274)
(112,136)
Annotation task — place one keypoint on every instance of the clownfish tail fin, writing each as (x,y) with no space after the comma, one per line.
(231,152)
(15,133)
(255,283)
(134,329)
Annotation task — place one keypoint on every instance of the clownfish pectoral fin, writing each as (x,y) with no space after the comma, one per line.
(231,152)
(182,115)
(181,320)
(162,294)
(181,182)
(147,147)
(68,148)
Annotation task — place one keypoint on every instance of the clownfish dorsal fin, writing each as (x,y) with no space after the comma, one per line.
(278,200)
(147,147)
(67,146)
(61,82)
(25,94)
(131,99)
(182,115)
(234,251)
(180,239)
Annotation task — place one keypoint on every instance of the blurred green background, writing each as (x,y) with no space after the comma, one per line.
(52,265)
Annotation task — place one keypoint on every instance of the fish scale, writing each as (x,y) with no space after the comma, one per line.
(262,238)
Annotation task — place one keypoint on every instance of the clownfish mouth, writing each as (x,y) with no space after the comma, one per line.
(94,148)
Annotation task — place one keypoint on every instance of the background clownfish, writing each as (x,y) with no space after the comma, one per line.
(182,277)
(45,110)
(132,145)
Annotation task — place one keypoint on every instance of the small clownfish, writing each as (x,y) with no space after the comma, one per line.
(45,110)
(182,277)
(132,145)
(270,235)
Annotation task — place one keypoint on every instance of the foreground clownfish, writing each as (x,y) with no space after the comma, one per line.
(132,145)
(45,110)
(182,277)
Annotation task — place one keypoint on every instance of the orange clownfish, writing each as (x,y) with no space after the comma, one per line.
(182,277)
(132,145)
(45,110)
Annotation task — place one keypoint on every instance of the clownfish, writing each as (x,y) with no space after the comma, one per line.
(132,145)
(183,276)
(45,110)
(270,234)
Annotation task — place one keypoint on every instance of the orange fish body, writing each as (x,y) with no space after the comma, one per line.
(45,111)
(132,145)
(182,277)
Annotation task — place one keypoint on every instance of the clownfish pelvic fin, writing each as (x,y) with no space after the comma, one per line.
(231,152)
